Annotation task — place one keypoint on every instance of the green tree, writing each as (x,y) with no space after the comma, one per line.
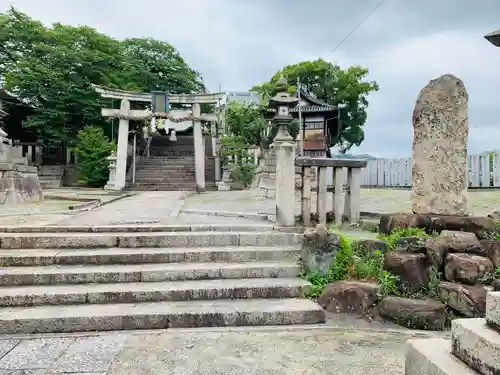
(246,121)
(92,150)
(333,85)
(53,69)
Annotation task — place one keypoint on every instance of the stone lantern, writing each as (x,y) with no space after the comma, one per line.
(282,102)
(493,38)
(285,155)
(111,185)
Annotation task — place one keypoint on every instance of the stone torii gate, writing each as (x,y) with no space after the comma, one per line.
(125,114)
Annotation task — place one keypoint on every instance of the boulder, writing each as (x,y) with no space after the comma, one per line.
(468,269)
(492,250)
(411,269)
(496,285)
(390,222)
(372,245)
(468,300)
(413,313)
(436,251)
(480,226)
(349,296)
(412,244)
(318,249)
(461,242)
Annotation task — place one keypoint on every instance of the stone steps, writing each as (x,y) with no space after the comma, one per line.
(63,240)
(433,357)
(475,346)
(106,256)
(39,295)
(148,272)
(87,279)
(159,315)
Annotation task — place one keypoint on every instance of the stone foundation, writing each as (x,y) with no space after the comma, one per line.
(18,182)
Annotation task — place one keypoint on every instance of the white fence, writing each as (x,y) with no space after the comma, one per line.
(484,171)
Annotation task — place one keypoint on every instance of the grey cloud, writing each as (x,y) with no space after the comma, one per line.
(239,43)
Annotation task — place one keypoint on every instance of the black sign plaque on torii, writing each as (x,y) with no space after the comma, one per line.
(159,101)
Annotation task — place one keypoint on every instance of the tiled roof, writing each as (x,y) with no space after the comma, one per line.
(494,38)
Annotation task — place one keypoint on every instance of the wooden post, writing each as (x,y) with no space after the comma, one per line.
(306,196)
(321,204)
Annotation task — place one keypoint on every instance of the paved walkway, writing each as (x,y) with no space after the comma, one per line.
(249,351)
(372,200)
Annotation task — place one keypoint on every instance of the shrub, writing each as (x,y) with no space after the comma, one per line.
(92,150)
(393,237)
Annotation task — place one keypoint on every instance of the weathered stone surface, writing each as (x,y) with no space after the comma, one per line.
(349,296)
(409,267)
(468,269)
(18,182)
(492,251)
(480,226)
(411,244)
(436,251)
(318,249)
(468,300)
(412,313)
(440,135)
(461,242)
(373,245)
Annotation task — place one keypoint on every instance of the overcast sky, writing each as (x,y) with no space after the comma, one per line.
(239,43)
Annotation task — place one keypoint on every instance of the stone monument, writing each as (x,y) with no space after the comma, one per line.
(18,181)
(441,130)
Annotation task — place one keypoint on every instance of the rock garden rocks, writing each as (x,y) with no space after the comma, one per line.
(492,250)
(468,268)
(349,296)
(480,226)
(318,249)
(468,300)
(411,244)
(411,269)
(417,314)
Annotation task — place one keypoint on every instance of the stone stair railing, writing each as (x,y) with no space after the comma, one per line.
(346,188)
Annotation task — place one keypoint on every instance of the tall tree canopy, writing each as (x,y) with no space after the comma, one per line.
(52,69)
(333,85)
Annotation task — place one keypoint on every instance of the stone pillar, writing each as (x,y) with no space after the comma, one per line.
(285,178)
(217,165)
(122,148)
(199,150)
(112,172)
(441,130)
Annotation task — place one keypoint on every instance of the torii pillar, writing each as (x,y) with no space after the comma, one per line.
(199,149)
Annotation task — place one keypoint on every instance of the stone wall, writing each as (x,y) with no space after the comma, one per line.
(18,182)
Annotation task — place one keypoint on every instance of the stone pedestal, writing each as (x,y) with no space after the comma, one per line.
(441,129)
(111,184)
(225,184)
(18,182)
(264,184)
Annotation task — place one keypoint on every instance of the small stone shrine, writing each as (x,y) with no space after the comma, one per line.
(18,181)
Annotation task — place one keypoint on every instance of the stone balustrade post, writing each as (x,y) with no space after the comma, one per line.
(346,192)
(285,178)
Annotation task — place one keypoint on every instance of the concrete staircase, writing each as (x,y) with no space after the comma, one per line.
(172,173)
(171,166)
(473,349)
(122,278)
(51,176)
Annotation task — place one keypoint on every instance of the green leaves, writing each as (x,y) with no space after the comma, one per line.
(92,151)
(52,69)
(332,85)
